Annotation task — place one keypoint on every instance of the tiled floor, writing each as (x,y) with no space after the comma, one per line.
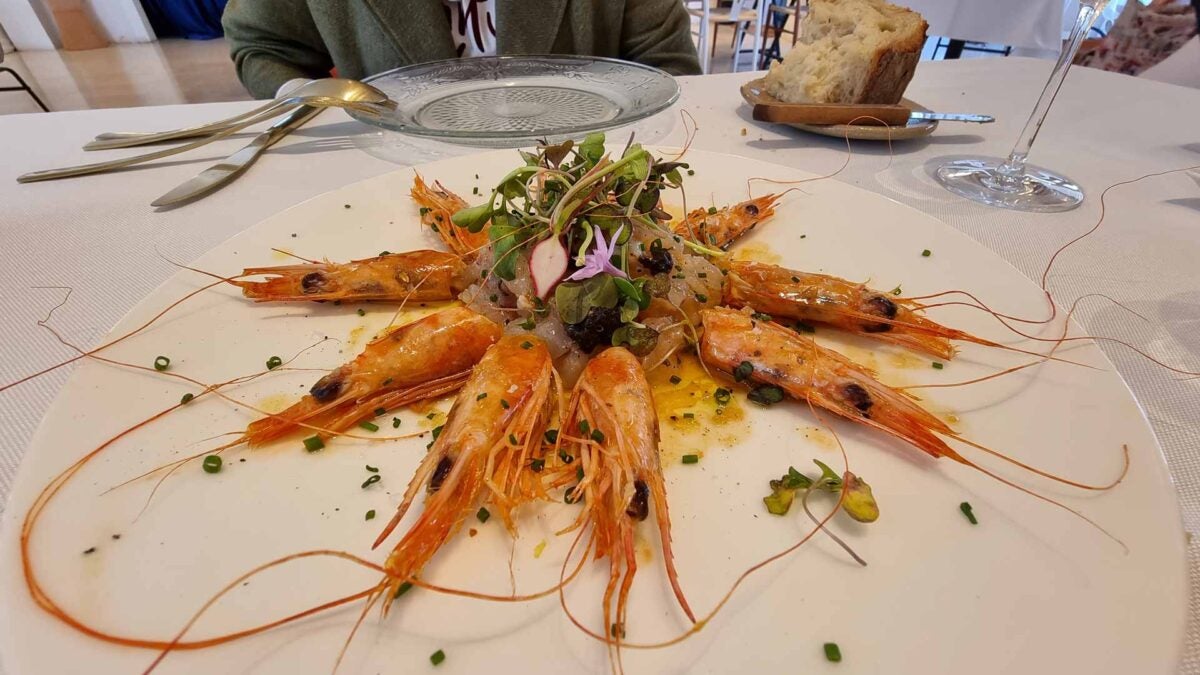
(156,73)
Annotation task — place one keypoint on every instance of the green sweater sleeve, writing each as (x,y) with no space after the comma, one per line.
(659,33)
(273,41)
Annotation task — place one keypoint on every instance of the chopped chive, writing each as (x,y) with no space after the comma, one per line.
(691,172)
(371,480)
(678,276)
(379,412)
(896,291)
(702,275)
(528,324)
(512,440)
(481,396)
(803,236)
(700,297)
(537,465)
(722,395)
(833,652)
(161,363)
(965,507)
(402,589)
(689,416)
(187,398)
(383,253)
(395,422)
(526,344)
(712,210)
(313,443)
(926,253)
(691,459)
(437,657)
(212,464)
(274,362)
(372,469)
(675,379)
(504,404)
(475,190)
(369,426)
(579,473)
(483,514)
(584,428)
(566,459)
(766,395)
(938,365)
(795,280)
(437,431)
(361,312)
(370,515)
(90,551)
(743,371)
(597,435)
(431,415)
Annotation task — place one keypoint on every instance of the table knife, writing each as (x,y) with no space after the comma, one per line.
(950,117)
(233,166)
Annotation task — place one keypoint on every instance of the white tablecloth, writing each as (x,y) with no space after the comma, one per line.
(1032,24)
(99,236)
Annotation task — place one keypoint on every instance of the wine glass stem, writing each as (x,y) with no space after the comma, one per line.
(1014,167)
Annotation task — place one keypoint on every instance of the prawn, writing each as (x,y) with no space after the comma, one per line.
(612,409)
(418,276)
(847,305)
(721,227)
(426,358)
(438,205)
(485,452)
(766,352)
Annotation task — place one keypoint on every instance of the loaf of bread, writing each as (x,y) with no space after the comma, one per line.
(850,51)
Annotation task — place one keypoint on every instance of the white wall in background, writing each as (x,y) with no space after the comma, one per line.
(24,27)
(122,20)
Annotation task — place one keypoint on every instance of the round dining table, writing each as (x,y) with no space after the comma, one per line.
(99,237)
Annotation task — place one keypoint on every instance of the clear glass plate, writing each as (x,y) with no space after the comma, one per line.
(514,100)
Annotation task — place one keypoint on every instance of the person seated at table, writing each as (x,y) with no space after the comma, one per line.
(276,41)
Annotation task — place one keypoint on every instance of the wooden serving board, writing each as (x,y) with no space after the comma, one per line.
(891,122)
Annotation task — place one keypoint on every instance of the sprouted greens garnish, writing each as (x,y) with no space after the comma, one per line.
(571,210)
(859,503)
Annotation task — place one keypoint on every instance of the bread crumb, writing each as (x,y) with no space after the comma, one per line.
(743,131)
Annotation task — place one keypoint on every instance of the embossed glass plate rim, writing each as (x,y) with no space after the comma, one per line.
(532,59)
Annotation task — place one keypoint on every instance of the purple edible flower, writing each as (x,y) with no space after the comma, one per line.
(599,260)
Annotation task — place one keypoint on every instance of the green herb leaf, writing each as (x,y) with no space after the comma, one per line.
(690,459)
(576,298)
(187,398)
(473,218)
(437,657)
(592,148)
(483,514)
(965,507)
(274,362)
(833,652)
(505,243)
(313,443)
(370,515)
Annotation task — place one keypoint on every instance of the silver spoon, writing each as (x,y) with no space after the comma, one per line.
(347,90)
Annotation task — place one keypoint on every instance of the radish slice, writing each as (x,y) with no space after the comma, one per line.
(547,265)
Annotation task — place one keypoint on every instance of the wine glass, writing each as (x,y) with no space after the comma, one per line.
(1012,183)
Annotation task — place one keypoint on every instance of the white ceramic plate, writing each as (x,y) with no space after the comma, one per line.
(1029,589)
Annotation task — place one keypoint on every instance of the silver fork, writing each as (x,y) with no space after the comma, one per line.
(100,167)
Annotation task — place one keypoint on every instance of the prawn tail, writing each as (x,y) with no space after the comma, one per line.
(658,496)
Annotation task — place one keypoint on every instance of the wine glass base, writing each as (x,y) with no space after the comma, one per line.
(1035,190)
